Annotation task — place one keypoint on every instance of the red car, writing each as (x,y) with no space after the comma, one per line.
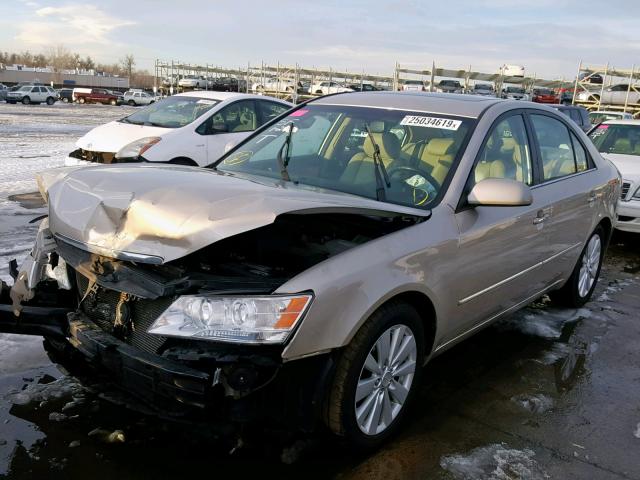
(544,95)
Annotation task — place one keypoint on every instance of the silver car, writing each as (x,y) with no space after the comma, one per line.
(310,274)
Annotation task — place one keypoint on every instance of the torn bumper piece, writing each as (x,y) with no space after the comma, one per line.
(44,321)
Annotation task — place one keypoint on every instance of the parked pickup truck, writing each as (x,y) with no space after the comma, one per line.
(96,95)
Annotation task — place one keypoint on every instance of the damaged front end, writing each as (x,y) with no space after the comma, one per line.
(200,333)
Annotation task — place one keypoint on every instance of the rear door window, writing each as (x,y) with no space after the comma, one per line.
(270,110)
(555,146)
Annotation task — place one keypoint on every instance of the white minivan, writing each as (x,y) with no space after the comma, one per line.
(193,128)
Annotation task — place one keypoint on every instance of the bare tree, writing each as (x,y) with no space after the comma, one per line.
(127,63)
(60,58)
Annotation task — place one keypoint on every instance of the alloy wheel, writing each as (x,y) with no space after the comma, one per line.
(385,379)
(590,265)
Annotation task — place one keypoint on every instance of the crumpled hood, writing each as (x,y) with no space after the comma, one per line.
(158,213)
(112,136)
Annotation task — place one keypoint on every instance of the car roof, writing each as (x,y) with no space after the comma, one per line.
(223,96)
(628,121)
(452,104)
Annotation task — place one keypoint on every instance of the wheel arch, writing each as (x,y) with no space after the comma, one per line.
(425,309)
(607,226)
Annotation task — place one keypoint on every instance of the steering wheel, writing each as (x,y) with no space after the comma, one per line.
(424,187)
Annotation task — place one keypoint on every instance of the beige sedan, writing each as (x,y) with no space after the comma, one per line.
(306,277)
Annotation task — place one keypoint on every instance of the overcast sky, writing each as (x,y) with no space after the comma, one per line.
(548,37)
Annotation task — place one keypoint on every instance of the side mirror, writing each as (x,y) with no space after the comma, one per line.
(500,192)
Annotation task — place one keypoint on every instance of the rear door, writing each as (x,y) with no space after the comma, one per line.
(567,181)
(500,248)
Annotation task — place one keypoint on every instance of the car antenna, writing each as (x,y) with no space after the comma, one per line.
(379,167)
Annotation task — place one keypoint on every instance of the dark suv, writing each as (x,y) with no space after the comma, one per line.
(580,115)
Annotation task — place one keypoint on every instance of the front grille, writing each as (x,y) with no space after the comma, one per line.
(625,190)
(100,306)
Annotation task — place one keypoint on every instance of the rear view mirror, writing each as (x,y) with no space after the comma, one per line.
(500,192)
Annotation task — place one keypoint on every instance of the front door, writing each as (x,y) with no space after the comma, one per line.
(228,126)
(500,249)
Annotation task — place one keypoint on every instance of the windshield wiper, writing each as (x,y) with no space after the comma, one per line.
(380,169)
(283,162)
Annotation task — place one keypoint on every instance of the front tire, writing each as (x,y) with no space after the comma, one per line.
(131,103)
(26,101)
(50,101)
(377,376)
(584,278)
(81,100)
(113,103)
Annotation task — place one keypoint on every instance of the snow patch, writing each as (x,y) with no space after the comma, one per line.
(38,392)
(494,462)
(546,323)
(637,432)
(536,403)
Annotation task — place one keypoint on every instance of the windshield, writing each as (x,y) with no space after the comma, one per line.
(172,112)
(336,147)
(412,82)
(617,138)
(481,86)
(515,90)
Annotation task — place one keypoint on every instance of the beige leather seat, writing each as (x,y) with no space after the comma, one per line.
(490,169)
(438,158)
(360,169)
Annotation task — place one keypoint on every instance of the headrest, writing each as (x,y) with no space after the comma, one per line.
(508,143)
(376,126)
(388,143)
(438,146)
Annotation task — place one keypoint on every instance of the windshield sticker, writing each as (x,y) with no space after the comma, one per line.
(203,101)
(431,122)
(299,113)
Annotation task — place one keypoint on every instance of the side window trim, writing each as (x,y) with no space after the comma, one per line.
(538,159)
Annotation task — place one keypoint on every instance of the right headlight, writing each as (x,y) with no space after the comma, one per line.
(238,319)
(636,196)
(137,147)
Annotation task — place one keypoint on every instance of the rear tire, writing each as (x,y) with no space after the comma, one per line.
(584,278)
(113,103)
(26,101)
(377,377)
(65,100)
(131,103)
(81,100)
(50,101)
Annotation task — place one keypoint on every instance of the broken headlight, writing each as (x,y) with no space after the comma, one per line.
(137,147)
(264,319)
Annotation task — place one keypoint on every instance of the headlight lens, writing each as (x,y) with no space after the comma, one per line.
(137,147)
(265,319)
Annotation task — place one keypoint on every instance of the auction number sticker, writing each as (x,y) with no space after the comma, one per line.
(431,122)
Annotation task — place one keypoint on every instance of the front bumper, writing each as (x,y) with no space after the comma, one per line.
(628,216)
